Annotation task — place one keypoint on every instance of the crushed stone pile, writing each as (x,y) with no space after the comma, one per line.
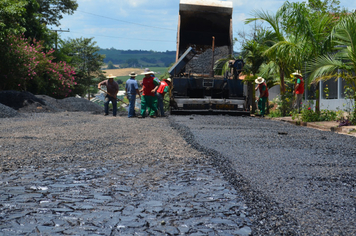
(13,103)
(7,112)
(201,63)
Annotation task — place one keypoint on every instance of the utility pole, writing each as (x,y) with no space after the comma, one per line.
(60,30)
(250,85)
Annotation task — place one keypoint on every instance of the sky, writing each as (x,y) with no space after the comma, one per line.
(149,24)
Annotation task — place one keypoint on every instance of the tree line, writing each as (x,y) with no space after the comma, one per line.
(33,57)
(138,58)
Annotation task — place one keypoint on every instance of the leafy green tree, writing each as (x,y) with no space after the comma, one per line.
(149,60)
(302,33)
(10,17)
(21,17)
(253,53)
(343,60)
(221,66)
(167,61)
(87,62)
(33,17)
(311,25)
(132,62)
(282,48)
(325,6)
(111,65)
(27,60)
(34,28)
(52,11)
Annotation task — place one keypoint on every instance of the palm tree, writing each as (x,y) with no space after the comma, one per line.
(282,51)
(222,66)
(311,25)
(252,52)
(302,33)
(326,66)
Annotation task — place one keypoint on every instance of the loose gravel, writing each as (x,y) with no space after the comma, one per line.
(201,64)
(13,103)
(6,111)
(79,173)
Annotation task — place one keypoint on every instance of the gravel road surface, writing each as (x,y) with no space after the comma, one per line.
(67,169)
(79,173)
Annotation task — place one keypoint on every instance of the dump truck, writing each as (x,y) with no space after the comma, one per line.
(204,36)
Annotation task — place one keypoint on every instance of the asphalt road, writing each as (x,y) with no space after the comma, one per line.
(80,173)
(296,180)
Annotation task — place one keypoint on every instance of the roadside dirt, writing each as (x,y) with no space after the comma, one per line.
(124,71)
(331,126)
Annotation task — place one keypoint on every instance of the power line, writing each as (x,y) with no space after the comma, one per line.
(126,21)
(143,39)
(58,30)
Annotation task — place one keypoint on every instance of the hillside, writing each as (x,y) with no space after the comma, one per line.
(123,74)
(138,58)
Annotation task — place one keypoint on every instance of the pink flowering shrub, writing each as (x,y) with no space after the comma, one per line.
(26,66)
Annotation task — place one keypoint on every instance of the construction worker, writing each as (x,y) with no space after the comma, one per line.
(112,89)
(262,87)
(162,90)
(157,82)
(298,90)
(131,89)
(149,88)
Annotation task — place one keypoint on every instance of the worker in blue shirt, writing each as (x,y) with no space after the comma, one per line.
(131,89)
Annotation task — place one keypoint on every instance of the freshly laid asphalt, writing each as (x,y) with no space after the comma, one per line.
(296,180)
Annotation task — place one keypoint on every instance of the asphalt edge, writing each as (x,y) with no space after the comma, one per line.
(341,130)
(269,217)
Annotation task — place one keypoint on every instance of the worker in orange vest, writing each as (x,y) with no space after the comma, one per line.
(162,90)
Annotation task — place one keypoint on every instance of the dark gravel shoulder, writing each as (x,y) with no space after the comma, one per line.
(13,103)
(78,173)
(17,100)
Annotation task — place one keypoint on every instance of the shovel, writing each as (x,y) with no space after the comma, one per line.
(113,96)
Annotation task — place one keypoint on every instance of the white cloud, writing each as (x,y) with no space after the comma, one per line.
(239,2)
(240,17)
(137,3)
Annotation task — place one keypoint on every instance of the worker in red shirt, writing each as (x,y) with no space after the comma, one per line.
(298,90)
(162,90)
(262,87)
(149,88)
